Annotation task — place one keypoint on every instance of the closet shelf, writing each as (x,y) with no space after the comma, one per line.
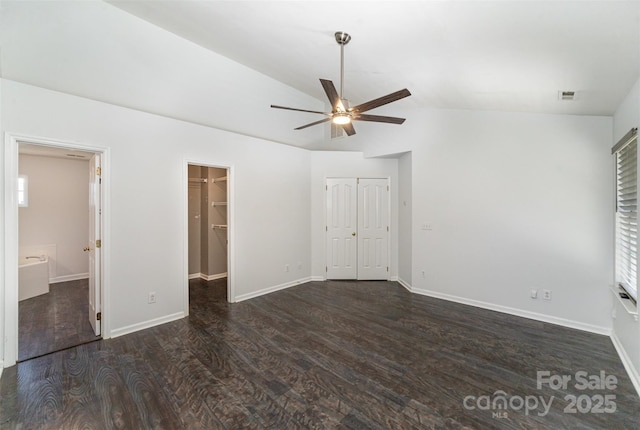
(218,203)
(198,180)
(220,179)
(219,226)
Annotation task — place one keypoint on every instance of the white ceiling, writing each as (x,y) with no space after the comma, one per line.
(487,55)
(480,55)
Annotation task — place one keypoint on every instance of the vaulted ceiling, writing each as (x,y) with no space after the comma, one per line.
(479,55)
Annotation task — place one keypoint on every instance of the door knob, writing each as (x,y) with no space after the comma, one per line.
(353,234)
(86,248)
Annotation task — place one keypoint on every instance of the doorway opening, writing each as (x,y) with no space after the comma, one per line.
(55,289)
(208,234)
(357,230)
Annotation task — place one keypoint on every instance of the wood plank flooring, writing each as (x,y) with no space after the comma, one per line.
(347,355)
(54,321)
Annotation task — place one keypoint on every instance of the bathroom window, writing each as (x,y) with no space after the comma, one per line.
(23,191)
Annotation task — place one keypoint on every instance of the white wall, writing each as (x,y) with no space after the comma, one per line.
(328,164)
(147,178)
(58,212)
(405,221)
(516,202)
(626,329)
(3,329)
(628,113)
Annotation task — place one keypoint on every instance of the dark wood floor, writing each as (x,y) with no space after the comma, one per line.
(320,355)
(54,321)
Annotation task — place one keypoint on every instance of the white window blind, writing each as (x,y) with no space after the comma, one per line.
(627,213)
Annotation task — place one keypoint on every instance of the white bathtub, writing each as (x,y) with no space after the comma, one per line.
(33,276)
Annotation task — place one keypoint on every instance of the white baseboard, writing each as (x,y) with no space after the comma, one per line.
(67,278)
(146,324)
(317,279)
(517,312)
(268,290)
(626,362)
(213,277)
(207,277)
(405,284)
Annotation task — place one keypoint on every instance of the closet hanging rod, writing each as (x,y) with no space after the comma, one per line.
(198,180)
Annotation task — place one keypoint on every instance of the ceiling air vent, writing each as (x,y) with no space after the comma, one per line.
(566,95)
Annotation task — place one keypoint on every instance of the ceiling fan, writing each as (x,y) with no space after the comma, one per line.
(341,114)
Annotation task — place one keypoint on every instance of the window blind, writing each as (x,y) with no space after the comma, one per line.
(627,214)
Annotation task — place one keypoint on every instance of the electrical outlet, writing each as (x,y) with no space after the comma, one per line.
(546,294)
(534,294)
(286,267)
(152,297)
(423,275)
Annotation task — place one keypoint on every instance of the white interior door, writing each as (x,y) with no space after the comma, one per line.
(94,242)
(357,228)
(342,228)
(373,229)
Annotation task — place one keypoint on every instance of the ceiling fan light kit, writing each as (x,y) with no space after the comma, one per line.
(343,115)
(341,118)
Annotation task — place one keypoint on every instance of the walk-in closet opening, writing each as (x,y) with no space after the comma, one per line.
(208,196)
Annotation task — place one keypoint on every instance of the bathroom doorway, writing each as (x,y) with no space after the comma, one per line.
(208,234)
(59,248)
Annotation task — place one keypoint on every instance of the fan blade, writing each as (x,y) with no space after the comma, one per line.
(334,98)
(300,110)
(313,123)
(378,118)
(348,128)
(372,104)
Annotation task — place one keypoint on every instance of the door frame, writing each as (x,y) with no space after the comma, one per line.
(389,214)
(231,264)
(11,247)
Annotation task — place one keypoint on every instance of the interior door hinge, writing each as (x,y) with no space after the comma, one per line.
(387,268)
(387,187)
(326,228)
(326,269)
(99,316)
(98,243)
(387,228)
(98,171)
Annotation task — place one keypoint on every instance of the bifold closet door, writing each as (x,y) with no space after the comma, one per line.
(357,229)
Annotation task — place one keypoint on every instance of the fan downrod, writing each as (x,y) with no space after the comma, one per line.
(342,38)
